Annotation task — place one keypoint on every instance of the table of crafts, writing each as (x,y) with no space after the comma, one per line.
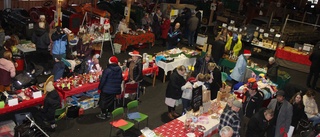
(176,127)
(293,60)
(22,105)
(180,60)
(126,40)
(90,86)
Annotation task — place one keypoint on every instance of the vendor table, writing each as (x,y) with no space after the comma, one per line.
(22,105)
(91,86)
(126,40)
(292,60)
(181,60)
(262,51)
(283,77)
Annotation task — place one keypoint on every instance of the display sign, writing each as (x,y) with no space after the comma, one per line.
(196,100)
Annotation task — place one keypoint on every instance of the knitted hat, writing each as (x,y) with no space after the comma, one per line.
(237,104)
(42,16)
(113,60)
(247,52)
(49,87)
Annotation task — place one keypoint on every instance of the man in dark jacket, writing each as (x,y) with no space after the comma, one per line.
(40,38)
(110,86)
(201,65)
(199,16)
(314,68)
(259,123)
(192,25)
(52,101)
(252,102)
(272,72)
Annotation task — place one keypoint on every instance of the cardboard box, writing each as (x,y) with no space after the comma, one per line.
(87,103)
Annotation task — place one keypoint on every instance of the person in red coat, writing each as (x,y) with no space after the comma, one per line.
(165,26)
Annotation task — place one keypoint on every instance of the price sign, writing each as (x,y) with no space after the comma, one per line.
(196,100)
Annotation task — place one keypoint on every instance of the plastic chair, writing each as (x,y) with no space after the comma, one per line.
(60,113)
(130,88)
(135,104)
(116,113)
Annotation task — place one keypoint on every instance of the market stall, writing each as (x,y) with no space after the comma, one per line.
(23,99)
(126,40)
(293,58)
(282,80)
(169,60)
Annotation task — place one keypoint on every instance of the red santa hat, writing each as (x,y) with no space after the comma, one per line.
(113,60)
(247,52)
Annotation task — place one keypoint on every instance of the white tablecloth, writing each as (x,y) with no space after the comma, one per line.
(25,49)
(181,60)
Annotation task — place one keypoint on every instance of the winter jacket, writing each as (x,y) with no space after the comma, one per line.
(239,70)
(165,29)
(298,114)
(251,105)
(272,72)
(237,47)
(137,71)
(216,83)
(40,38)
(311,106)
(111,79)
(201,66)
(174,86)
(174,36)
(52,102)
(58,70)
(315,61)
(59,43)
(284,116)
(192,23)
(7,71)
(257,125)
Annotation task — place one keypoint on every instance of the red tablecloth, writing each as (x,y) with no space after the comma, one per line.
(91,86)
(150,70)
(297,58)
(22,105)
(175,128)
(126,40)
(78,90)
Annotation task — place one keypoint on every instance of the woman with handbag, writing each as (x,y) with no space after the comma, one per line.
(173,91)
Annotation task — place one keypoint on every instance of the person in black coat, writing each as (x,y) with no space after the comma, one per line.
(52,102)
(41,39)
(201,65)
(216,83)
(110,86)
(173,91)
(297,109)
(135,67)
(314,68)
(259,123)
(199,16)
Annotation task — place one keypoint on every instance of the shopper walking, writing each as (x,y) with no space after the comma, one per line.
(110,86)
(314,68)
(281,121)
(272,70)
(238,73)
(199,16)
(231,118)
(135,69)
(165,27)
(192,25)
(173,91)
(60,42)
(259,123)
(174,36)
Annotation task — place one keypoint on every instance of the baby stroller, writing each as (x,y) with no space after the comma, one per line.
(306,128)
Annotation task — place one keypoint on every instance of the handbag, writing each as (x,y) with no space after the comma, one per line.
(73,112)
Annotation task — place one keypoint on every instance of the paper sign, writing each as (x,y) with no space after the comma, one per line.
(30,25)
(231,21)
(13,102)
(261,30)
(271,30)
(102,20)
(224,25)
(37,94)
(278,35)
(126,10)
